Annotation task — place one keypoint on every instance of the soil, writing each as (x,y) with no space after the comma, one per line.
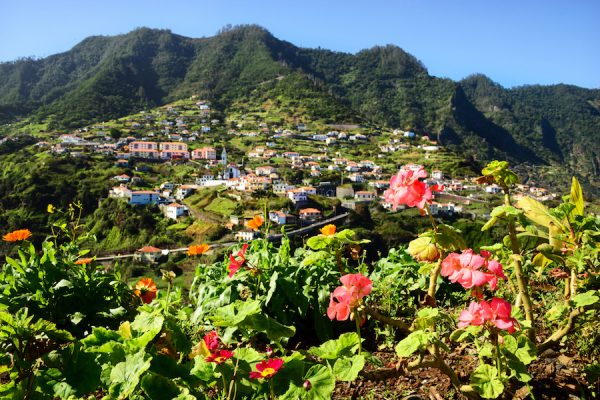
(556,376)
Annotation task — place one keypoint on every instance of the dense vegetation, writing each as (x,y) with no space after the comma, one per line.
(104,77)
(321,321)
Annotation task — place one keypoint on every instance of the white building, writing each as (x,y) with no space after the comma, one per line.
(174,210)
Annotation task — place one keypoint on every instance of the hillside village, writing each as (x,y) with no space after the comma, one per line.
(244,156)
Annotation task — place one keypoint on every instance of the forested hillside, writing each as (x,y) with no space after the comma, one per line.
(108,77)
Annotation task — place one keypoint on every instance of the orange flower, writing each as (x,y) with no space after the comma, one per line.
(198,249)
(83,261)
(145,289)
(16,236)
(255,222)
(328,230)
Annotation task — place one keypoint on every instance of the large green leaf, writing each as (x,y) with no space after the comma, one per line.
(576,197)
(158,387)
(537,212)
(321,384)
(586,299)
(347,369)
(273,329)
(486,382)
(125,376)
(234,314)
(344,346)
(416,341)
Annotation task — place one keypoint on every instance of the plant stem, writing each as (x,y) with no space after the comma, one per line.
(357,323)
(519,275)
(396,323)
(433,277)
(435,273)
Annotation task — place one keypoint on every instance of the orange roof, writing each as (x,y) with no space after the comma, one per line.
(149,249)
(309,211)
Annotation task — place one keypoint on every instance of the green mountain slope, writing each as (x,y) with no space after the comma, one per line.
(108,77)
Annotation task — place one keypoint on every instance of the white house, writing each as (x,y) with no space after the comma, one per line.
(174,210)
(281,218)
(143,197)
(185,190)
(297,195)
(363,195)
(437,174)
(246,235)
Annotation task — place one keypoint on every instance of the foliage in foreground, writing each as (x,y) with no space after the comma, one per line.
(259,323)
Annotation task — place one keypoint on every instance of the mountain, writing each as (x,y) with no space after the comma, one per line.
(107,77)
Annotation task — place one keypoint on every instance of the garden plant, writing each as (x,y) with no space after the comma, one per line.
(270,321)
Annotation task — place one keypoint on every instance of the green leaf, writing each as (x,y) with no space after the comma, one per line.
(158,387)
(322,384)
(144,328)
(586,299)
(344,346)
(519,370)
(203,370)
(485,381)
(272,286)
(450,238)
(426,318)
(314,257)
(537,212)
(347,369)
(576,197)
(491,222)
(273,329)
(318,242)
(416,341)
(234,314)
(125,376)
(526,352)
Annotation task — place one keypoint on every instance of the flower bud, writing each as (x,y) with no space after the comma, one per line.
(307,385)
(269,351)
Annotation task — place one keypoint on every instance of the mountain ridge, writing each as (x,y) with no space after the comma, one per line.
(110,76)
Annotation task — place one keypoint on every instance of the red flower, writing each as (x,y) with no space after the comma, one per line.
(212,340)
(346,298)
(219,357)
(406,188)
(17,236)
(145,289)
(235,264)
(266,369)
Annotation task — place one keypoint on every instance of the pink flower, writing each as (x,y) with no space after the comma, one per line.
(235,264)
(406,188)
(501,310)
(474,315)
(496,312)
(266,369)
(346,298)
(339,310)
(465,269)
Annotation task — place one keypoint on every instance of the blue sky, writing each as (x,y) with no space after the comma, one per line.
(513,42)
